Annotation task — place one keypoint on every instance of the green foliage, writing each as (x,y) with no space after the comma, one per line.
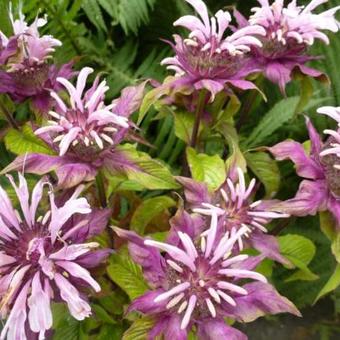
(149,209)
(150,173)
(139,329)
(300,251)
(332,283)
(127,275)
(25,141)
(266,170)
(207,169)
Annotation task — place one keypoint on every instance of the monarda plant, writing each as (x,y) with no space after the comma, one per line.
(187,205)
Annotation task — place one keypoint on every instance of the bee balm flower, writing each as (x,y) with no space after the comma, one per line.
(84,133)
(198,283)
(208,59)
(43,257)
(320,188)
(233,207)
(24,59)
(290,31)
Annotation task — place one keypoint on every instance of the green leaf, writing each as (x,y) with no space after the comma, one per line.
(64,325)
(127,275)
(149,209)
(332,283)
(149,172)
(120,182)
(208,169)
(336,247)
(139,329)
(266,170)
(184,123)
(102,314)
(132,13)
(327,224)
(94,13)
(300,251)
(236,157)
(306,92)
(281,113)
(25,141)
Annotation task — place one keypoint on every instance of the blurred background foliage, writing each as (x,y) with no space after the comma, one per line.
(123,39)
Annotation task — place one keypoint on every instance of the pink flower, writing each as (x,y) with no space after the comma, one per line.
(198,282)
(320,188)
(88,123)
(290,31)
(43,257)
(84,132)
(24,56)
(234,208)
(209,59)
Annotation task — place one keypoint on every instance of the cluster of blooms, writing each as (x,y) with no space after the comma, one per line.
(25,72)
(201,274)
(274,41)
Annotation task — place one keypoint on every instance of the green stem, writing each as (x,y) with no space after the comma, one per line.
(9,117)
(101,190)
(198,116)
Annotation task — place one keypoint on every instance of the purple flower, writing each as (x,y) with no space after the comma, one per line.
(320,188)
(290,31)
(199,281)
(234,209)
(209,60)
(43,258)
(24,58)
(84,133)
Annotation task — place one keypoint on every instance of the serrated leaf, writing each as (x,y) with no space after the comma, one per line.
(127,275)
(139,329)
(208,169)
(149,209)
(266,170)
(94,13)
(184,123)
(132,13)
(300,251)
(149,172)
(25,141)
(280,113)
(332,284)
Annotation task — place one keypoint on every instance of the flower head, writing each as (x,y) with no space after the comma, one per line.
(84,133)
(209,59)
(43,257)
(24,57)
(320,188)
(234,209)
(88,124)
(202,280)
(33,49)
(290,31)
